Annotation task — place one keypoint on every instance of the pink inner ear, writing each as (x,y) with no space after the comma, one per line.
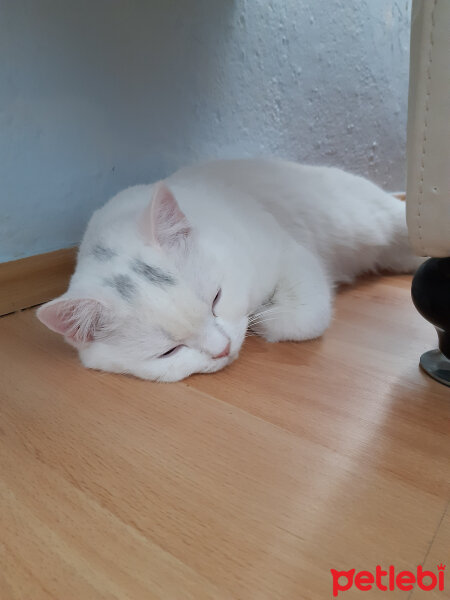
(76,319)
(164,223)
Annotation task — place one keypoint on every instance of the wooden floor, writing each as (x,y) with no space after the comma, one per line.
(248,484)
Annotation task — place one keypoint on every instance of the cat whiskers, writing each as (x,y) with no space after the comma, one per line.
(272,312)
(263,316)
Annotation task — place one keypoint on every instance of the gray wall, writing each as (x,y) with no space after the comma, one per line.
(96,95)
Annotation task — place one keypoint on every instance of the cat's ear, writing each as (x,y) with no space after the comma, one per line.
(164,223)
(79,320)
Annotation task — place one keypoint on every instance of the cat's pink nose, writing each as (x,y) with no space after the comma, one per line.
(225,351)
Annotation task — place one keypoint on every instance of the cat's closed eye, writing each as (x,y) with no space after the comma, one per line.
(216,300)
(171,351)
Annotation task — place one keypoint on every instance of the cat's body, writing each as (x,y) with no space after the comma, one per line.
(165,287)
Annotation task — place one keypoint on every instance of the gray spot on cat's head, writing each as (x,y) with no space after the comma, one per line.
(102,253)
(123,284)
(152,274)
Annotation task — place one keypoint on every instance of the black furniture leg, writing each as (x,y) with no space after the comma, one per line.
(431,296)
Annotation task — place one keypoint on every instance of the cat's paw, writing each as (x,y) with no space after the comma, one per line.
(293,327)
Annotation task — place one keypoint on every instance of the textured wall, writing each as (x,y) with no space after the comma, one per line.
(98,95)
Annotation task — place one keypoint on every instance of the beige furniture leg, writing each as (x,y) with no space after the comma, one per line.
(428,180)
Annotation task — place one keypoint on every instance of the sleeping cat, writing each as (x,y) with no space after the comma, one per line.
(170,275)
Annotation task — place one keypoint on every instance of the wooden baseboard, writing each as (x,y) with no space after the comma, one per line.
(401,196)
(30,281)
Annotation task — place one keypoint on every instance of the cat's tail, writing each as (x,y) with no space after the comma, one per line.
(397,256)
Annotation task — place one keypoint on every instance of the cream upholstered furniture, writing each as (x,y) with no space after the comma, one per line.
(428,187)
(428,165)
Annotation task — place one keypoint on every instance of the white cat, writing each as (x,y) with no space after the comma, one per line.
(171,275)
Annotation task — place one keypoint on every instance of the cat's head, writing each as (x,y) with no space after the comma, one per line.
(159,307)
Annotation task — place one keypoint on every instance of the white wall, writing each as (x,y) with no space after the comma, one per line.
(96,95)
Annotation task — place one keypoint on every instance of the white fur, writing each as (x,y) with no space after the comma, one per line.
(275,236)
